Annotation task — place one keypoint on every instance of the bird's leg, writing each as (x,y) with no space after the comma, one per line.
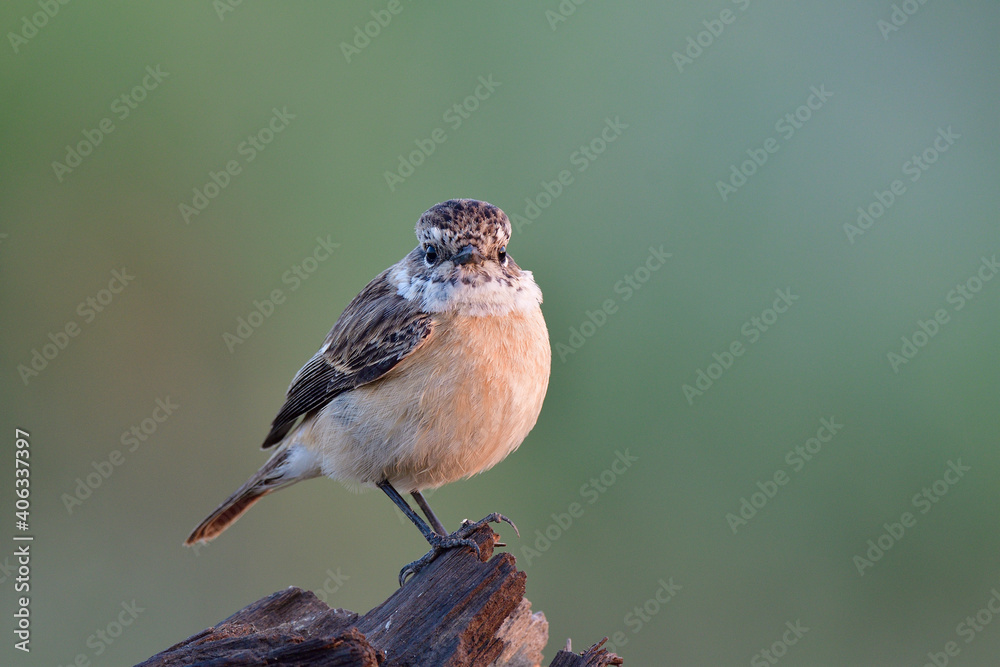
(429,513)
(468,527)
(401,503)
(438,542)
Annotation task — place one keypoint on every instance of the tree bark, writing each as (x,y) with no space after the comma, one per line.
(458,611)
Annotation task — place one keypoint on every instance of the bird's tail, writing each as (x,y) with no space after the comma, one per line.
(285,467)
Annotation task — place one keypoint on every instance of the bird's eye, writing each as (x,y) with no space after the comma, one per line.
(430,255)
(502,255)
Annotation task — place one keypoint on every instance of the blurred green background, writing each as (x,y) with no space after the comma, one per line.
(682,126)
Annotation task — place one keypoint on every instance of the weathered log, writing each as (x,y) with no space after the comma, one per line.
(595,656)
(458,611)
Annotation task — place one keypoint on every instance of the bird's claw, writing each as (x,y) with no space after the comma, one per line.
(460,538)
(439,543)
(453,541)
(417,565)
(495,517)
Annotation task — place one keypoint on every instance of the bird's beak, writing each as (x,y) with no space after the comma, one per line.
(466,255)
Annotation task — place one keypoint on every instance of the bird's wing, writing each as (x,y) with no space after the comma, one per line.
(376,331)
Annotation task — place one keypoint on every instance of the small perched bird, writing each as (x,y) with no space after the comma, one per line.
(436,371)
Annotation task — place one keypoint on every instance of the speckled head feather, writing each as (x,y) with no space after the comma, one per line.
(460,222)
(461,264)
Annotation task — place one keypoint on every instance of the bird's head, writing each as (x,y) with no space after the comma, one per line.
(461,262)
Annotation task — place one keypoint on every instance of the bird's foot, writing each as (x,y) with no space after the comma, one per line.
(469,527)
(460,538)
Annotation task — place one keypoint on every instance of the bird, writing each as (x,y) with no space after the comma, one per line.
(434,372)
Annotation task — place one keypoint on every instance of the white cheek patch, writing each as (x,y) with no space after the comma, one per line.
(497,296)
(411,288)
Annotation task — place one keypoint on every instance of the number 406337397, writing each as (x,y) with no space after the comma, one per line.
(21,482)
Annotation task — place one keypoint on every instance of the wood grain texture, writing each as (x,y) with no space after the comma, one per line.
(459,611)
(595,656)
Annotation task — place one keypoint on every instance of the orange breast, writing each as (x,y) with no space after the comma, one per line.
(478,387)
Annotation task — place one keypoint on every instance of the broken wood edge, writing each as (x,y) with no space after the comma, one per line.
(595,656)
(457,611)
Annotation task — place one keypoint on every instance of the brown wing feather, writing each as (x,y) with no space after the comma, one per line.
(376,331)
